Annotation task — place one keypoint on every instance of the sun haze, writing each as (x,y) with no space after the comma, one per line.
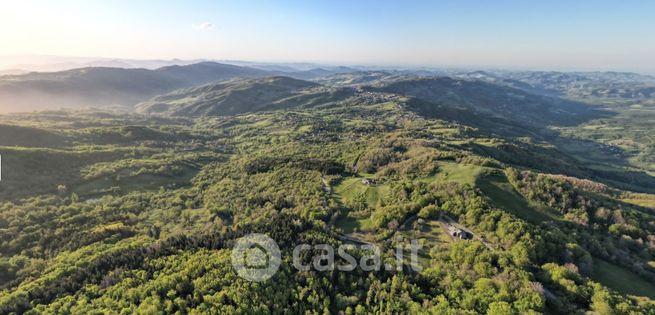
(556,35)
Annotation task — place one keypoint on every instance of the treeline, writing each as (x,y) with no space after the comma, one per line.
(267,163)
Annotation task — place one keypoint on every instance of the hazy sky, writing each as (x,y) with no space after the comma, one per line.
(573,34)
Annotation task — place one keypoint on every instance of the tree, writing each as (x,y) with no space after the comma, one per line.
(61,190)
(500,308)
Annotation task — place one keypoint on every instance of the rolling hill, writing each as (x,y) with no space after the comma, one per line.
(102,87)
(244,96)
(490,100)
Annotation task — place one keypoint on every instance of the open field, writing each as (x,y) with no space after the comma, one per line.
(644,200)
(621,279)
(352,188)
(455,172)
(507,198)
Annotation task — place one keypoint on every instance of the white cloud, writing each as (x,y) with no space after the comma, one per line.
(203,26)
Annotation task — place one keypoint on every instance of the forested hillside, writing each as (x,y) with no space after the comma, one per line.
(243,96)
(118,213)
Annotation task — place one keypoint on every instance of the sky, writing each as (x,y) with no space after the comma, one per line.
(556,35)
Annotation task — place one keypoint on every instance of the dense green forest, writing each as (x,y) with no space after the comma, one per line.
(121,213)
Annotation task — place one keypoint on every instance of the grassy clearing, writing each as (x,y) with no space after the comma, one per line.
(621,279)
(505,197)
(349,225)
(644,200)
(430,231)
(445,131)
(455,172)
(352,188)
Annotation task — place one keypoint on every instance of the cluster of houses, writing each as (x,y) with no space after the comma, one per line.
(375,97)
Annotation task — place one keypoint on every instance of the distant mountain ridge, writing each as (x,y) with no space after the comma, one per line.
(44,63)
(102,87)
(12,72)
(500,93)
(573,85)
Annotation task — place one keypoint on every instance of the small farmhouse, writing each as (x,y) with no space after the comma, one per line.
(459,233)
